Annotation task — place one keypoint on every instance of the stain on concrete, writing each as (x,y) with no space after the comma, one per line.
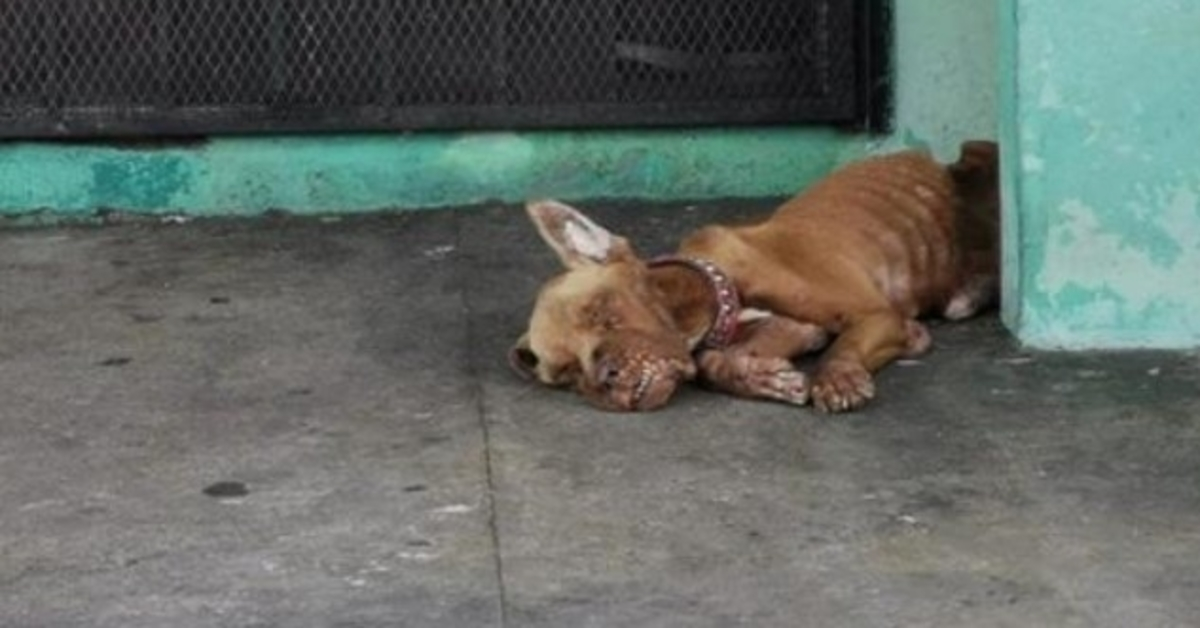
(227,490)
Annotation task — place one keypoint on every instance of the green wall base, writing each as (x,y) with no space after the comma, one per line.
(324,174)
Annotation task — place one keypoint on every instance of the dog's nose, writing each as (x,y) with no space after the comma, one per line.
(607,373)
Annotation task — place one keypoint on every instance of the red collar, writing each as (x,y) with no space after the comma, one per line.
(729,306)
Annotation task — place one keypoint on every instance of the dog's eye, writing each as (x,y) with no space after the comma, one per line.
(600,314)
(607,321)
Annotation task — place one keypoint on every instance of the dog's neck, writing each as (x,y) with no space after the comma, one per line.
(699,297)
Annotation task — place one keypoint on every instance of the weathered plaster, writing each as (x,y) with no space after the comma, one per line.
(1106,181)
(946,88)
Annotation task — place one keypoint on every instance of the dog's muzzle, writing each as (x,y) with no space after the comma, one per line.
(636,385)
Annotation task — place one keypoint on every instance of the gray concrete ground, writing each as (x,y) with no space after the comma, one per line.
(295,422)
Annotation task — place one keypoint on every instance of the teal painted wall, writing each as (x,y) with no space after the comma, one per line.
(1101,128)
(945,55)
(944,67)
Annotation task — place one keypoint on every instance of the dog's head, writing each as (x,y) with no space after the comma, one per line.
(602,327)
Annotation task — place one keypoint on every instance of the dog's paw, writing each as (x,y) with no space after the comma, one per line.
(753,376)
(774,378)
(841,387)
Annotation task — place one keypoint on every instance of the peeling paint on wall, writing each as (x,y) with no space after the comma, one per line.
(1107,195)
(1105,276)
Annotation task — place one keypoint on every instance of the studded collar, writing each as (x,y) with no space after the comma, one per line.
(729,306)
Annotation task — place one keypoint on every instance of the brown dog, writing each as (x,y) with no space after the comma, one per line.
(858,257)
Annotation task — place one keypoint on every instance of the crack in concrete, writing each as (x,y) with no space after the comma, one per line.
(463,266)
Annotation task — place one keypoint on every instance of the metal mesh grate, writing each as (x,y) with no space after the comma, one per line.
(160,67)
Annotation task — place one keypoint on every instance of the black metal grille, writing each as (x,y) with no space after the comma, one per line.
(165,67)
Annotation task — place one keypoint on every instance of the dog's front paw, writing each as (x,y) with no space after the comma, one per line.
(842,386)
(752,376)
(774,378)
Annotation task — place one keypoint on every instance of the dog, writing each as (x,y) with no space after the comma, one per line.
(850,265)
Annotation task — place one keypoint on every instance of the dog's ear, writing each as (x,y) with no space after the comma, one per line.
(522,359)
(577,240)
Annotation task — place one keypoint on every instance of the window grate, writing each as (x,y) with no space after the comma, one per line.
(80,68)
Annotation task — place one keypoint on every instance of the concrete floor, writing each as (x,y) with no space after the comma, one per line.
(310,423)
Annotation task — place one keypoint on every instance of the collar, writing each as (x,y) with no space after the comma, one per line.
(729,306)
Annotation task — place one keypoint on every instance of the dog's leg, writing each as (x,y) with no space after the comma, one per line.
(844,378)
(980,288)
(979,292)
(758,366)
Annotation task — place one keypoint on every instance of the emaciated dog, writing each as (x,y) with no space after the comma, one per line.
(857,259)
